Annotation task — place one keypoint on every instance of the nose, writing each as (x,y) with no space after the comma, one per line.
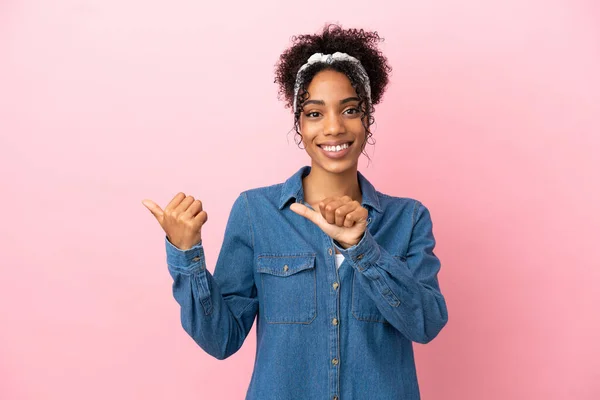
(333,124)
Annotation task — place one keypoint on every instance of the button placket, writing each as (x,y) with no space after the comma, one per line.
(334,331)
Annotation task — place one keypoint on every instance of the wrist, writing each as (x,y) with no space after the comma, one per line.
(345,245)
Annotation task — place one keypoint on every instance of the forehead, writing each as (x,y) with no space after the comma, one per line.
(330,84)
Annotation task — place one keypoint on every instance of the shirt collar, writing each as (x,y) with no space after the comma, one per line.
(292,188)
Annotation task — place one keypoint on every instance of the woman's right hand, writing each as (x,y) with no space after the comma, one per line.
(181,220)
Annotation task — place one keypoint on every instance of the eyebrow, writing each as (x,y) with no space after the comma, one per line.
(322,103)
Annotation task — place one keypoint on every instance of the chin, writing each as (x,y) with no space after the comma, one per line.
(337,167)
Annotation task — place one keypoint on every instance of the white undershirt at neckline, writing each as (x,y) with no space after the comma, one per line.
(339,258)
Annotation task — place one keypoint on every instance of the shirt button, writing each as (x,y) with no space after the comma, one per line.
(335,361)
(359,256)
(285,268)
(335,398)
(335,285)
(196,259)
(330,251)
(334,321)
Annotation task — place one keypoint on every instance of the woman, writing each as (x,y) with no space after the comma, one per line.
(343,278)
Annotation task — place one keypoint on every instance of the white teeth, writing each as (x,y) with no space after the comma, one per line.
(335,148)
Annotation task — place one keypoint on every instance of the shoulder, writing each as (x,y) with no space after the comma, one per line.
(270,191)
(390,201)
(405,207)
(262,198)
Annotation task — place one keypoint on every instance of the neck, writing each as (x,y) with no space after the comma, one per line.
(320,184)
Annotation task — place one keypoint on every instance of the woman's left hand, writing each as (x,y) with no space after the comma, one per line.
(341,218)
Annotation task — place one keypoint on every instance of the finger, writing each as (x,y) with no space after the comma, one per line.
(178,198)
(348,221)
(359,215)
(185,203)
(194,208)
(328,210)
(201,218)
(332,199)
(346,199)
(340,213)
(322,206)
(154,209)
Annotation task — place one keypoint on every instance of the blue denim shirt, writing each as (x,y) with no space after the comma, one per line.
(322,332)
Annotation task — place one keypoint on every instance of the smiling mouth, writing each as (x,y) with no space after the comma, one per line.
(335,149)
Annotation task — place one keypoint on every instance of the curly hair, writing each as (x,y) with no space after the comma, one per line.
(355,42)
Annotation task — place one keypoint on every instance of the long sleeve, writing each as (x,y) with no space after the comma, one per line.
(217,310)
(405,289)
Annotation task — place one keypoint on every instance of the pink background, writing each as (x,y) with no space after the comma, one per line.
(491,119)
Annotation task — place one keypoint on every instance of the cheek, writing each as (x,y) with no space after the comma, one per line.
(362,140)
(308,132)
(359,130)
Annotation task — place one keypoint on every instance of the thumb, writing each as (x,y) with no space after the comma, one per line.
(306,212)
(154,209)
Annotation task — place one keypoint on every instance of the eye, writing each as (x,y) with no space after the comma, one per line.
(352,111)
(312,114)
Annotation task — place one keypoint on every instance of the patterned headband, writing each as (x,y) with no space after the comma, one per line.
(329,59)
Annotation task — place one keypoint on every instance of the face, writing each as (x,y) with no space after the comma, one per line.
(331,118)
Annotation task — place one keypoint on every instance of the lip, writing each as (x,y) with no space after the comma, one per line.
(337,154)
(336,143)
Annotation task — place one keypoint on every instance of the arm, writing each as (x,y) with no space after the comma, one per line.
(406,291)
(218,310)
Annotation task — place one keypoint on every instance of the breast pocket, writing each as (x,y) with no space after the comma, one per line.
(289,288)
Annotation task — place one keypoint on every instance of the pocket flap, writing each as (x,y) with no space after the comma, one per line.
(285,265)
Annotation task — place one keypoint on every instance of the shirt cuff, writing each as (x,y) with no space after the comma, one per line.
(363,254)
(186,259)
